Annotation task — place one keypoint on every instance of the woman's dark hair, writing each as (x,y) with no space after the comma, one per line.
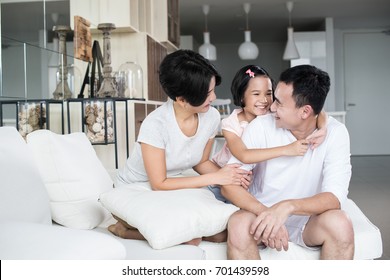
(241,80)
(187,74)
(310,85)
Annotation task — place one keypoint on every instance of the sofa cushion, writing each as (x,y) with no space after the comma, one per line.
(168,218)
(141,250)
(23,196)
(217,251)
(73,175)
(30,241)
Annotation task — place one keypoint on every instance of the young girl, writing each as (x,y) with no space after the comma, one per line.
(178,135)
(252,89)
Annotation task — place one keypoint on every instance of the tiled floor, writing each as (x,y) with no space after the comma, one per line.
(370,189)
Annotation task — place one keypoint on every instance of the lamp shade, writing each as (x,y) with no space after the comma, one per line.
(248,49)
(208,50)
(291,51)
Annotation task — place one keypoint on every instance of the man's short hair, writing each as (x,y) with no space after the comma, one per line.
(310,85)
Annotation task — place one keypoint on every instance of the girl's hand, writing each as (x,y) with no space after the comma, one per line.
(297,148)
(230,174)
(317,137)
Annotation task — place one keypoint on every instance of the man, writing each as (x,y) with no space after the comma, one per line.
(297,199)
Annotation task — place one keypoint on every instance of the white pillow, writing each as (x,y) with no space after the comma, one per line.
(168,218)
(73,175)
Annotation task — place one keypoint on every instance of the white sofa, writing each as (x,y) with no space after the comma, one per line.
(28,207)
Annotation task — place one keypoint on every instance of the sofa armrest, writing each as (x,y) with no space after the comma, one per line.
(368,238)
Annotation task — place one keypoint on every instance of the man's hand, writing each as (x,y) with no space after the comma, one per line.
(268,223)
(280,241)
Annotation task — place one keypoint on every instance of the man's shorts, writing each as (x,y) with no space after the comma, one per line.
(295,226)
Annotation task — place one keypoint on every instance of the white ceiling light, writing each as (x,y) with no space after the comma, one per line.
(248,49)
(291,51)
(208,50)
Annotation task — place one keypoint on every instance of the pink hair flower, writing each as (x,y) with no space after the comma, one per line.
(250,73)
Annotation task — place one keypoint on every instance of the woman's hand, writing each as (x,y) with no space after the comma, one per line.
(231,174)
(246,180)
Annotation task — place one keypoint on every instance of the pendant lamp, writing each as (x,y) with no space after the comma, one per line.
(248,49)
(291,51)
(207,50)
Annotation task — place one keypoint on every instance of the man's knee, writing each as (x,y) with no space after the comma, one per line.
(238,228)
(338,224)
(344,227)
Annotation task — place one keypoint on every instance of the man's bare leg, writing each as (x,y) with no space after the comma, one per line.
(240,243)
(334,232)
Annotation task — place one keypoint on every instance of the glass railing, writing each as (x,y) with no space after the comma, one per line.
(32,77)
(31,72)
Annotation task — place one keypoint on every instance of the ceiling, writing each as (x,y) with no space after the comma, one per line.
(268,19)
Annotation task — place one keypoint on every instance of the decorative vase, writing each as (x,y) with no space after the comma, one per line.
(130,80)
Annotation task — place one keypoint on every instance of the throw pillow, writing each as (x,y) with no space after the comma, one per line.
(168,218)
(74,177)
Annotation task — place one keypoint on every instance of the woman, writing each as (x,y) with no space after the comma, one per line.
(179,135)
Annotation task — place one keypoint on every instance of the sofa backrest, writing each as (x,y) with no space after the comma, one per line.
(23,196)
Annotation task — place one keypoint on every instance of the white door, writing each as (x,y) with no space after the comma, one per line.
(367,87)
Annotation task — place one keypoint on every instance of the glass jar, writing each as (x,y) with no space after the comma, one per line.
(31,117)
(75,79)
(99,121)
(129,79)
(69,85)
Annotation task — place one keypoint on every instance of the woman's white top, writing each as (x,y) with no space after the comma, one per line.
(161,130)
